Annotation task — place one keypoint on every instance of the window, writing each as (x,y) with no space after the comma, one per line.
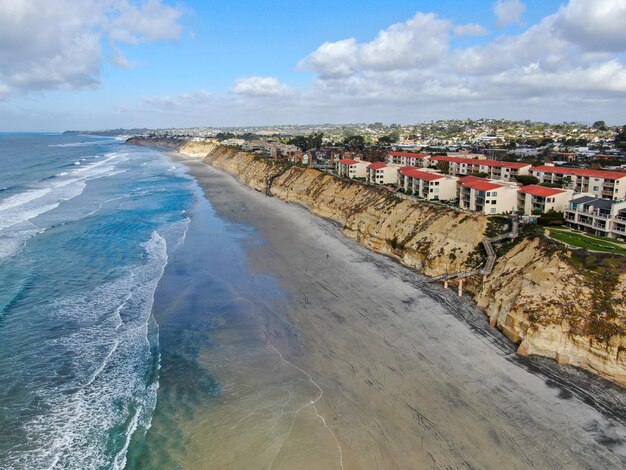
(488,194)
(494,194)
(493,210)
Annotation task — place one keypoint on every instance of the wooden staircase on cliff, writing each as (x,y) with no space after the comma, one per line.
(489,264)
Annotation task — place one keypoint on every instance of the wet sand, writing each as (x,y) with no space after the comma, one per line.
(360,364)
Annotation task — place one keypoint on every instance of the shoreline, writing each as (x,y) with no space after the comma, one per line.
(315,342)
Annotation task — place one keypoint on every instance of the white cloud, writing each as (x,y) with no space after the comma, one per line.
(332,59)
(420,41)
(508,11)
(57,44)
(120,60)
(150,21)
(470,29)
(399,69)
(260,87)
(598,25)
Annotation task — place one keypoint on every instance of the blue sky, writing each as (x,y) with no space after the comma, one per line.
(118,63)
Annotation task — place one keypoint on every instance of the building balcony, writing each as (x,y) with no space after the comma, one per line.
(585,221)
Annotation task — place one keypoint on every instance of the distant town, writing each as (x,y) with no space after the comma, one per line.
(567,174)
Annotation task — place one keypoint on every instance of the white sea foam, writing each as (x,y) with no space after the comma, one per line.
(22,198)
(18,211)
(85,143)
(111,356)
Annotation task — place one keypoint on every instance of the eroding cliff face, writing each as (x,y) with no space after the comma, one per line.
(539,295)
(544,300)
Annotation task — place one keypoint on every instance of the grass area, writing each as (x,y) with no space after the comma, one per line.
(589,242)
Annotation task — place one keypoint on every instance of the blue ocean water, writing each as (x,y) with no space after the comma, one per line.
(86,228)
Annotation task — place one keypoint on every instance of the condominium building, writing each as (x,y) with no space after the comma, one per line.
(603,184)
(351,168)
(597,216)
(408,159)
(535,199)
(427,184)
(382,173)
(494,169)
(488,197)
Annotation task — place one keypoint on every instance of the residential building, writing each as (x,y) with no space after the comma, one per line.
(597,216)
(427,184)
(408,159)
(494,169)
(535,199)
(601,183)
(488,197)
(349,168)
(382,173)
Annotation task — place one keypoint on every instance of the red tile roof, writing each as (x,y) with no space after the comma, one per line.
(408,154)
(348,161)
(541,191)
(476,161)
(579,172)
(482,185)
(377,165)
(468,178)
(422,175)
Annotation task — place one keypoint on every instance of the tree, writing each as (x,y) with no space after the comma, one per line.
(599,125)
(387,139)
(444,167)
(354,142)
(620,138)
(308,142)
(527,179)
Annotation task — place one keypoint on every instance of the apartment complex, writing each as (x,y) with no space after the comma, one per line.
(349,168)
(601,183)
(597,216)
(494,169)
(488,197)
(381,173)
(408,159)
(535,199)
(425,184)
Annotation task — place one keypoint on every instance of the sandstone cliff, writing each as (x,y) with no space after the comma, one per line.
(548,300)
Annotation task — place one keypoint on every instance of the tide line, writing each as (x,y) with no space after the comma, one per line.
(311,403)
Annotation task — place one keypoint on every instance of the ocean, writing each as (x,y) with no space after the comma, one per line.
(86,229)
(133,331)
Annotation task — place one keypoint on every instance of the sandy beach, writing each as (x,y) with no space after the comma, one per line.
(384,370)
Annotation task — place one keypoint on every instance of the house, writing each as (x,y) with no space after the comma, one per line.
(597,216)
(427,184)
(349,168)
(408,159)
(488,197)
(382,173)
(494,169)
(535,199)
(603,184)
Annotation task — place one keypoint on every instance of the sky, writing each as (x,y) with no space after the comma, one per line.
(98,64)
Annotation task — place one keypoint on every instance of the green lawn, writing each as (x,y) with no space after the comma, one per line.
(589,242)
